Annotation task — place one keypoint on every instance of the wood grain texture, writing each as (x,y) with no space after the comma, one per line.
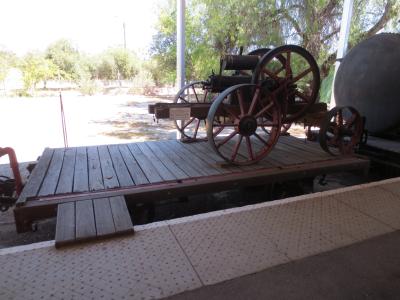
(81,171)
(94,168)
(134,169)
(107,168)
(32,187)
(85,222)
(145,164)
(65,183)
(124,178)
(122,219)
(65,228)
(103,216)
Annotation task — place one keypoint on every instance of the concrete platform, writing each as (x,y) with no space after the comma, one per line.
(168,258)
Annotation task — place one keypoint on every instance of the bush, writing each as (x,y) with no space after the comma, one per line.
(89,87)
(143,83)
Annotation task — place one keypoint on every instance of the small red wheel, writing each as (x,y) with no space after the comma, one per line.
(235,121)
(342,128)
(193,129)
(292,75)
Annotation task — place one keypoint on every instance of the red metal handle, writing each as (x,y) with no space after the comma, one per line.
(14,166)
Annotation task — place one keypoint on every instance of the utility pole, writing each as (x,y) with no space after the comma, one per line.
(343,41)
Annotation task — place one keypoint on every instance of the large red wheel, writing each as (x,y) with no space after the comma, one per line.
(235,121)
(341,129)
(193,129)
(292,75)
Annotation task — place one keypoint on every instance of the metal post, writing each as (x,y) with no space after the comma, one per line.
(343,41)
(123,25)
(180,47)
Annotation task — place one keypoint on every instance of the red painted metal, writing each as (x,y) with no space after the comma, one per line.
(14,166)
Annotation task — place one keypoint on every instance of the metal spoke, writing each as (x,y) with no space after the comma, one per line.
(205,96)
(197,128)
(264,109)
(236,149)
(190,121)
(195,94)
(230,111)
(241,104)
(180,97)
(271,74)
(301,75)
(253,101)
(287,67)
(350,121)
(261,139)
(249,148)
(302,96)
(226,139)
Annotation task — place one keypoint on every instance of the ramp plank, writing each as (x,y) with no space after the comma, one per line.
(122,219)
(85,223)
(65,228)
(103,216)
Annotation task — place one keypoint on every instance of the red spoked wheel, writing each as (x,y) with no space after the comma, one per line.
(193,129)
(341,129)
(235,121)
(292,75)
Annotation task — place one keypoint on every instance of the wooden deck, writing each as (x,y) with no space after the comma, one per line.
(151,170)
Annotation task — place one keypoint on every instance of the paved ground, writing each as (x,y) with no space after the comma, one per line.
(367,270)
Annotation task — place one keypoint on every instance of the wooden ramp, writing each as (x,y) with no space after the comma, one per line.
(92,219)
(150,171)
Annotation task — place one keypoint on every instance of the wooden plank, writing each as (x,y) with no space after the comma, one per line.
(103,217)
(124,178)
(95,175)
(65,183)
(81,172)
(133,167)
(145,164)
(65,227)
(188,158)
(157,163)
(49,184)
(189,169)
(178,171)
(35,179)
(85,223)
(122,219)
(107,168)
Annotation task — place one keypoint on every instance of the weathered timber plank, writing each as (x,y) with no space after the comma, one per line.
(35,179)
(81,172)
(103,217)
(95,175)
(188,158)
(65,183)
(157,163)
(124,178)
(65,227)
(172,167)
(107,168)
(122,219)
(85,223)
(133,167)
(49,184)
(189,169)
(145,164)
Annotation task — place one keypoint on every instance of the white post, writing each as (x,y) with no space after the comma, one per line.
(180,47)
(343,41)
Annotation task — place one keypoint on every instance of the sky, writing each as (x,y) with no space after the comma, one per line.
(92,25)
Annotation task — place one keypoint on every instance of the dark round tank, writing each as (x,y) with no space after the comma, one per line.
(369,80)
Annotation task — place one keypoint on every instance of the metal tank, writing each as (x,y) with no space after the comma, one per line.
(369,80)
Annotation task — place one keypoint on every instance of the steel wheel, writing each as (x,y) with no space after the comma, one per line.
(235,121)
(342,129)
(292,80)
(193,129)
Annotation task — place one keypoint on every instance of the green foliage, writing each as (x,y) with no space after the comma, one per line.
(35,68)
(7,61)
(66,58)
(325,91)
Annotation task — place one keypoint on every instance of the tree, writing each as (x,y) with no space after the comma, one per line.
(216,27)
(35,68)
(66,58)
(7,61)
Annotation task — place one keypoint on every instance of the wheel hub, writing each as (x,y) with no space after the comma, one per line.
(247,125)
